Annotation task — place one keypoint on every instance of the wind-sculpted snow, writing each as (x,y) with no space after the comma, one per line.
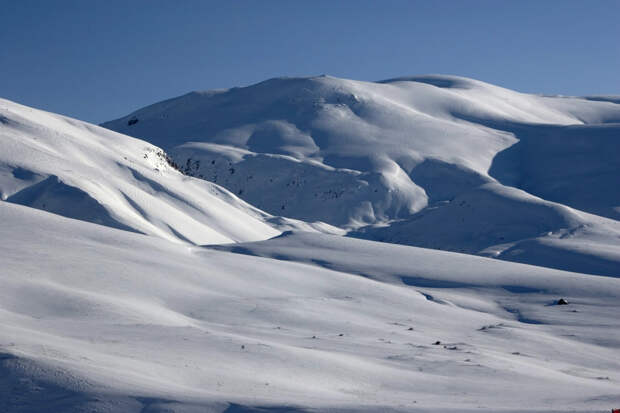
(99,319)
(85,172)
(435,161)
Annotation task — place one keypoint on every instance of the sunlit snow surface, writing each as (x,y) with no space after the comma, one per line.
(126,286)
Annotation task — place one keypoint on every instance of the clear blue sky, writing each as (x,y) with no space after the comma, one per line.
(99,59)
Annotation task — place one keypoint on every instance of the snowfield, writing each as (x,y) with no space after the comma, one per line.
(229,261)
(95,318)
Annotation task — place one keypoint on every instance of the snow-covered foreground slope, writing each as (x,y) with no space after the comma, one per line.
(82,171)
(99,319)
(435,161)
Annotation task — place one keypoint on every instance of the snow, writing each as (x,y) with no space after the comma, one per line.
(120,318)
(127,285)
(433,161)
(85,172)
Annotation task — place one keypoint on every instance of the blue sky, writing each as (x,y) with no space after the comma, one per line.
(97,60)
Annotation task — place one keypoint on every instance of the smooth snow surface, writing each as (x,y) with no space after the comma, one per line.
(434,161)
(99,319)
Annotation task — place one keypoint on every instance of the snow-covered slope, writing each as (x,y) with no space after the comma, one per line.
(436,161)
(98,319)
(136,314)
(86,172)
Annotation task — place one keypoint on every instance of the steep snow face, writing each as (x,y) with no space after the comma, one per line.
(97,319)
(349,152)
(86,172)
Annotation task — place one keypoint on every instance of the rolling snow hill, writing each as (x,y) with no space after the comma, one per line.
(434,161)
(85,172)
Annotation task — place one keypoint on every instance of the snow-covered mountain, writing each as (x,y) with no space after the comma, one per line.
(130,283)
(434,161)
